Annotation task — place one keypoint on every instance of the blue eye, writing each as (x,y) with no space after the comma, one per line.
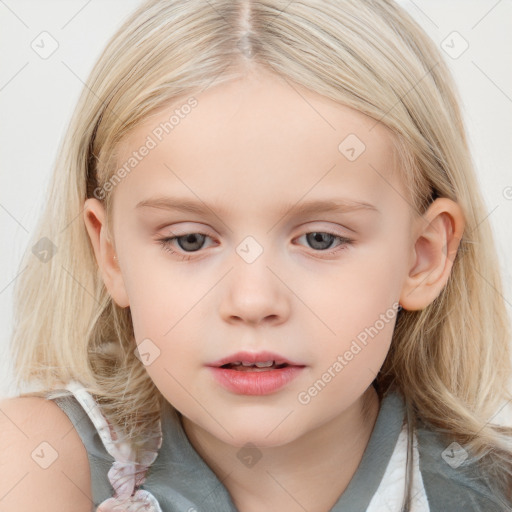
(321,242)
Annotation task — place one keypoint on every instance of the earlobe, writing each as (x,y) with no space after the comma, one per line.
(95,223)
(438,235)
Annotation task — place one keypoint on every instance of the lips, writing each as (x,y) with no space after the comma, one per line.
(255,373)
(255,360)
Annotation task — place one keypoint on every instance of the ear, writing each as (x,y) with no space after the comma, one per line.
(104,250)
(436,238)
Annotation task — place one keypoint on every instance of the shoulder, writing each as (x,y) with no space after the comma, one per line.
(450,482)
(43,462)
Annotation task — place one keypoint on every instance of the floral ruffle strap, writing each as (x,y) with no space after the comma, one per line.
(126,473)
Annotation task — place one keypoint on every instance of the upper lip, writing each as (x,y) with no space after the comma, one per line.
(254,357)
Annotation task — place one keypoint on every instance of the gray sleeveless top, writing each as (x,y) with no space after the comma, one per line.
(181,481)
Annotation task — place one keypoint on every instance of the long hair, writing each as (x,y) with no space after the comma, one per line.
(450,360)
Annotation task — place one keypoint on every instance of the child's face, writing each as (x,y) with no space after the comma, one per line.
(253,149)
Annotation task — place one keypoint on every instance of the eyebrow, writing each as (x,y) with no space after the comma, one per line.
(310,207)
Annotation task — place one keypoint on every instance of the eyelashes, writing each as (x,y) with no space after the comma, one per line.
(190,238)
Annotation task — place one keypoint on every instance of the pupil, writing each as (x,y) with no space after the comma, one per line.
(192,238)
(318,237)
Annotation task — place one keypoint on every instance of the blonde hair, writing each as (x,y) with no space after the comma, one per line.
(450,360)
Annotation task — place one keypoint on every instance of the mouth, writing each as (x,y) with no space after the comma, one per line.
(246,361)
(262,373)
(245,366)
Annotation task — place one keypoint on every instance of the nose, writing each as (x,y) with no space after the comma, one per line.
(254,294)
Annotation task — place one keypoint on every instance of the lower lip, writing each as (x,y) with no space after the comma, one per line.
(255,382)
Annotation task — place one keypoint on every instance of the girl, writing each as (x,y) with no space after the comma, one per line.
(269,283)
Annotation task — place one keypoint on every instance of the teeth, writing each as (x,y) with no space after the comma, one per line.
(265,364)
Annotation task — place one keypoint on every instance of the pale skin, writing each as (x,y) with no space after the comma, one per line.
(252,147)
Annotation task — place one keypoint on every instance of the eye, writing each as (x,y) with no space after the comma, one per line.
(322,241)
(189,242)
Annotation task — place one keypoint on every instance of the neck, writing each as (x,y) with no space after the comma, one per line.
(282,480)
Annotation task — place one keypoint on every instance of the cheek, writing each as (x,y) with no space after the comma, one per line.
(155,292)
(164,323)
(365,284)
(350,359)
(164,305)
(360,304)
(151,304)
(375,284)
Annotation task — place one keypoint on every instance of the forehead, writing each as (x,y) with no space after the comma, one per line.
(255,141)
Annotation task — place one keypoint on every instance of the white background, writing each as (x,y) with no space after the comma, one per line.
(38,95)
